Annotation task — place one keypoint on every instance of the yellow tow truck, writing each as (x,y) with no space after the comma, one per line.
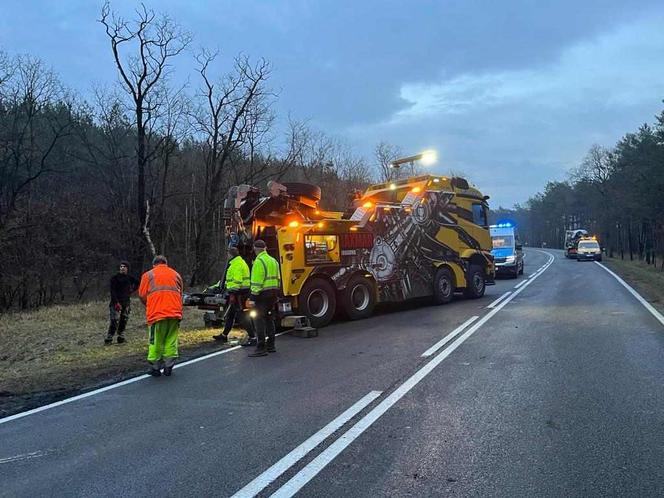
(420,236)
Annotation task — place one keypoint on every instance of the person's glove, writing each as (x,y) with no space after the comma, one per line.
(118,307)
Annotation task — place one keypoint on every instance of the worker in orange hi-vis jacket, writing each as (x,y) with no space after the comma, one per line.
(161,292)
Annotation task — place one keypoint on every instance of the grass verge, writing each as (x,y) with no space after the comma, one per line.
(58,351)
(646,280)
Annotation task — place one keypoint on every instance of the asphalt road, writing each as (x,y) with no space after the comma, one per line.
(554,391)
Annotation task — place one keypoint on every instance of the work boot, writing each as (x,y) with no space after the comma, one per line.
(167,371)
(108,340)
(258,352)
(220,337)
(121,339)
(252,341)
(155,373)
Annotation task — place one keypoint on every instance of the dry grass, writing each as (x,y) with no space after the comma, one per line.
(646,279)
(58,350)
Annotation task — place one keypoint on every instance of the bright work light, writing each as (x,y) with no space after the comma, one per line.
(428,157)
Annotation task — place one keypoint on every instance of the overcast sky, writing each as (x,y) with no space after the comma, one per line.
(512,93)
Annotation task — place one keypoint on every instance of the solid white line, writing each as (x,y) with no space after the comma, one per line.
(494,303)
(520,283)
(271,474)
(449,337)
(299,480)
(638,296)
(112,386)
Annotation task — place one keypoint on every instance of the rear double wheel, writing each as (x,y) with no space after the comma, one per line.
(358,299)
(317,301)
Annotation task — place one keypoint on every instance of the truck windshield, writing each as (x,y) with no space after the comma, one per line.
(502,241)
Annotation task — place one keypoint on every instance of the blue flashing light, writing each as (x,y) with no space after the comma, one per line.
(504,224)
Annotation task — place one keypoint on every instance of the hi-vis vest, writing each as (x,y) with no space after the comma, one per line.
(265,274)
(237,275)
(161,291)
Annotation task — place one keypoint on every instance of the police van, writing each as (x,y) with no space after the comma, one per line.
(507,250)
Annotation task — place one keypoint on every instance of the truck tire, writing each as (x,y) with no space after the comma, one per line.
(317,301)
(303,189)
(443,286)
(358,299)
(475,282)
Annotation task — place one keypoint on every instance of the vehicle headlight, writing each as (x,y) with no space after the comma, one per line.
(509,259)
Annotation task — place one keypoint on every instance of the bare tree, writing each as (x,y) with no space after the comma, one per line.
(232,111)
(36,116)
(142,51)
(6,69)
(385,153)
(596,167)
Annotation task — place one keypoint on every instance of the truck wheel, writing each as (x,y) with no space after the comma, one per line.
(521,269)
(443,286)
(358,298)
(476,284)
(317,301)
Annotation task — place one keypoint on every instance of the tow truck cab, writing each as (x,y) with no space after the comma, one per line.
(507,249)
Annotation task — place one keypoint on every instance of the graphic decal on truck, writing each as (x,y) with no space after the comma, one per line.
(405,247)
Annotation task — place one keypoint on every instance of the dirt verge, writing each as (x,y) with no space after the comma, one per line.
(646,279)
(58,351)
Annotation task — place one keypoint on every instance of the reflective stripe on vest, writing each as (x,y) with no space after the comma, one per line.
(270,274)
(152,287)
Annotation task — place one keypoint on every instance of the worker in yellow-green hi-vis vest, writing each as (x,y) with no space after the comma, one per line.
(265,289)
(237,286)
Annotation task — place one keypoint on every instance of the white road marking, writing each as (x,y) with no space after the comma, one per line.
(25,456)
(449,337)
(299,480)
(638,296)
(494,303)
(271,474)
(520,283)
(113,386)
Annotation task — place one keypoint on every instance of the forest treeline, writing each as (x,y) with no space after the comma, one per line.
(616,193)
(82,182)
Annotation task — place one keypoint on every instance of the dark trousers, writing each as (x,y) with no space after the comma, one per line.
(236,312)
(265,320)
(118,320)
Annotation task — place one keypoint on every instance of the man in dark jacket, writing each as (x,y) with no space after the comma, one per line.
(122,285)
